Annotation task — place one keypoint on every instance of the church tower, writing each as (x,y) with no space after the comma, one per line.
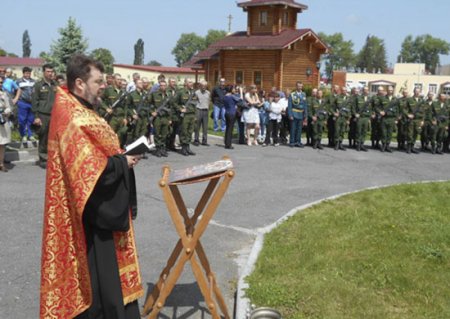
(271,17)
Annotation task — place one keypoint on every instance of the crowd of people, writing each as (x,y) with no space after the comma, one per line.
(162,111)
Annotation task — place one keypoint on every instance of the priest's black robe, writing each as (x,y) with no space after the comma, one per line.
(107,210)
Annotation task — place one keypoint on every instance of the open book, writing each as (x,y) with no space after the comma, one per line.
(140,146)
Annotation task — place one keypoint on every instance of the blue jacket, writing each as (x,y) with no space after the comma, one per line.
(297,105)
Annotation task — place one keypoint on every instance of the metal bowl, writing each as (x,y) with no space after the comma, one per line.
(265,313)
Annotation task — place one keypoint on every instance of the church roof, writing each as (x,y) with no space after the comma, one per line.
(240,40)
(256,3)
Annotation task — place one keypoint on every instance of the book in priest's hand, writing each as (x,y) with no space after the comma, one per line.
(138,147)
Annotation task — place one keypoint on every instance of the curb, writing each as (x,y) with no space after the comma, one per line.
(242,302)
(18,153)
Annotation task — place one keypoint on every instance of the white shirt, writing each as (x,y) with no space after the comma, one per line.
(275,110)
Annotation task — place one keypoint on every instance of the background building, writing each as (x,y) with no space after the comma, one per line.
(17,64)
(405,76)
(270,53)
(152,72)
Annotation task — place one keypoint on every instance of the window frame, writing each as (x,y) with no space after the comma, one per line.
(236,78)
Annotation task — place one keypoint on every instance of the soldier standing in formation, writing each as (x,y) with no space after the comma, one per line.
(441,113)
(161,114)
(319,115)
(134,101)
(388,108)
(401,123)
(114,108)
(41,106)
(298,113)
(186,102)
(429,125)
(362,112)
(309,132)
(172,90)
(414,120)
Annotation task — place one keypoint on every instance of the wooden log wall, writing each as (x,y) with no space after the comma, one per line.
(296,60)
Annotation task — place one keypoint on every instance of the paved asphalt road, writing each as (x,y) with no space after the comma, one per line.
(268,183)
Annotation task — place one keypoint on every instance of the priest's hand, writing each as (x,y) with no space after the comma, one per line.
(132,160)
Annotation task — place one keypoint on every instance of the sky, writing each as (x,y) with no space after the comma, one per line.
(117,24)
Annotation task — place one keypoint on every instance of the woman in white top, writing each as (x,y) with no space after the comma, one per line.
(251,114)
(275,109)
(5,125)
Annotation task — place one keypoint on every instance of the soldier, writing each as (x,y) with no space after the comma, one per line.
(114,108)
(298,113)
(309,131)
(415,115)
(401,123)
(388,106)
(137,124)
(362,112)
(41,106)
(319,115)
(161,113)
(331,105)
(441,113)
(429,125)
(352,125)
(186,102)
(341,111)
(172,90)
(375,122)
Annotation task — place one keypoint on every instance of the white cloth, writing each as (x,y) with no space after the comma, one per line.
(251,116)
(275,111)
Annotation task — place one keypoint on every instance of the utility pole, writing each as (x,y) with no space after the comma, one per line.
(230,17)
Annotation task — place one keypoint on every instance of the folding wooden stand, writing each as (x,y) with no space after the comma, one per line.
(190,229)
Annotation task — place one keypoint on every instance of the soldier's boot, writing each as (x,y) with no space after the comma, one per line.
(363,147)
(341,147)
(184,150)
(433,148)
(383,147)
(373,144)
(314,145)
(188,149)
(377,144)
(158,151)
(358,146)
(439,149)
(164,152)
(413,150)
(388,149)
(319,145)
(336,146)
(408,148)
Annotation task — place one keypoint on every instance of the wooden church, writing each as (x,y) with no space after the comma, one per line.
(271,53)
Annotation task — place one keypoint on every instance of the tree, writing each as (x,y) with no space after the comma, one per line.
(71,41)
(26,45)
(6,53)
(105,56)
(187,46)
(213,36)
(154,63)
(423,49)
(139,52)
(372,56)
(340,55)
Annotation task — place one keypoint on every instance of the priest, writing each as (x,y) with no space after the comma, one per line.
(89,259)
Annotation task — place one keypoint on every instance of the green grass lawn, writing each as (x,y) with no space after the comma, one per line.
(375,254)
